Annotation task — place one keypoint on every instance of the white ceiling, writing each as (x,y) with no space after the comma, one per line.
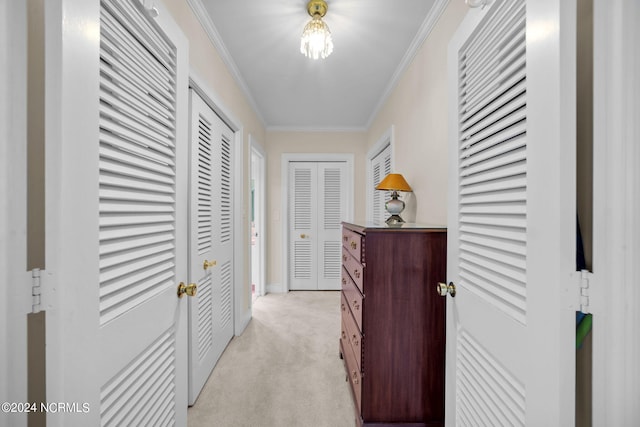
(374,41)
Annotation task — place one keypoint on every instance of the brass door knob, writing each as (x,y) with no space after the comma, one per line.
(191,289)
(208,264)
(303,236)
(443,289)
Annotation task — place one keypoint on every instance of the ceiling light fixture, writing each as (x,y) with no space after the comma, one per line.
(316,38)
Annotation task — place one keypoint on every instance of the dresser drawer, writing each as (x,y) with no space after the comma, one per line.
(352,241)
(353,297)
(355,377)
(353,336)
(354,268)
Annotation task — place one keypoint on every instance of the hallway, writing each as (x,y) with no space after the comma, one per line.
(284,370)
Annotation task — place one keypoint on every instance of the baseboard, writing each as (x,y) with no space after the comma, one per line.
(275,288)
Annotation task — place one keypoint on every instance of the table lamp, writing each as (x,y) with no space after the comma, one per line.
(394,182)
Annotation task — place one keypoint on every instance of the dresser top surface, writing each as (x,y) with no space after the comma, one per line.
(364,226)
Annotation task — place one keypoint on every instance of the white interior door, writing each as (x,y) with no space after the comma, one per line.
(142,240)
(317,205)
(380,168)
(210,243)
(511,239)
(116,163)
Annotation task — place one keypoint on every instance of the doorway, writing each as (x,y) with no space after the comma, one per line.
(257,219)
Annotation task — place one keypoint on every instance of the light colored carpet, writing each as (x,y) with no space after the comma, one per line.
(284,370)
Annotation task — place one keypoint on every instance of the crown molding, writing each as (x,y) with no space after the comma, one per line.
(425,29)
(201,14)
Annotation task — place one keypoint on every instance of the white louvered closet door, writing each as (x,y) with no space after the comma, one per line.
(316,208)
(142,236)
(500,325)
(210,242)
(381,167)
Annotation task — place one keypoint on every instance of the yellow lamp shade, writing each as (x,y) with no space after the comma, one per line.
(394,182)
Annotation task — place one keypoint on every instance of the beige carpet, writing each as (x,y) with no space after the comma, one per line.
(284,370)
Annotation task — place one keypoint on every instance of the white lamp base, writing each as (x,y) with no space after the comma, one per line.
(394,207)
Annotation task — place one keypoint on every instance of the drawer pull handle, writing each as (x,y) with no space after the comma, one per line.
(356,273)
(355,377)
(344,258)
(353,245)
(344,281)
(355,340)
(356,305)
(344,336)
(343,309)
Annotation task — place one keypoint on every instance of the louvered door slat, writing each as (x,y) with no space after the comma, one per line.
(134,116)
(225,190)
(502,399)
(381,167)
(138,166)
(122,122)
(204,185)
(509,118)
(492,204)
(302,197)
(483,43)
(135,100)
(118,56)
(130,392)
(115,167)
(331,204)
(332,208)
(144,33)
(506,49)
(147,32)
(134,53)
(134,77)
(205,317)
(493,104)
(377,214)
(135,91)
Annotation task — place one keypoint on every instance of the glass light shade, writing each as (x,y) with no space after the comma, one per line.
(316,39)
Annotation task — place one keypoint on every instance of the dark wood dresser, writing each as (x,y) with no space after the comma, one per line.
(393,323)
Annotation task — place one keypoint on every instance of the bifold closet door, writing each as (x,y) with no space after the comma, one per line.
(316,208)
(210,242)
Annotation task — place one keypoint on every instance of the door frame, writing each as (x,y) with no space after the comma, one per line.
(15,299)
(261,215)
(197,83)
(308,157)
(616,207)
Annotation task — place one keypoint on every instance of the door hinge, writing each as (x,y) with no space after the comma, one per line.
(585,291)
(36,290)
